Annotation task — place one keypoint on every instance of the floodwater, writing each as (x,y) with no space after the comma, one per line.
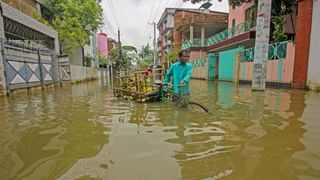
(83,132)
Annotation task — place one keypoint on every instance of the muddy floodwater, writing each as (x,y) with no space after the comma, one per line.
(83,132)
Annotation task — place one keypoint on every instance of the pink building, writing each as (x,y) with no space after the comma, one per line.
(102,39)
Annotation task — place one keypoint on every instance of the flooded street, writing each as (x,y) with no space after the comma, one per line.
(83,132)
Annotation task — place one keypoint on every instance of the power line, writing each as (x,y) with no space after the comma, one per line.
(114,12)
(151,10)
(111,30)
(156,11)
(153,16)
(160,8)
(147,25)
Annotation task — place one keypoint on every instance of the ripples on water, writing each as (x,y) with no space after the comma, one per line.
(84,132)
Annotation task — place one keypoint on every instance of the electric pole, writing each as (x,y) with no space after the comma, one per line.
(262,45)
(154,49)
(119,46)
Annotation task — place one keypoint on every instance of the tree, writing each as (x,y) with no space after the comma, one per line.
(171,56)
(144,63)
(74,20)
(145,52)
(124,61)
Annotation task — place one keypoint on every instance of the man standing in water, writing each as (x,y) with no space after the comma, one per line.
(181,72)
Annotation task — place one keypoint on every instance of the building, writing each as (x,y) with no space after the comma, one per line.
(90,51)
(184,28)
(165,27)
(102,39)
(228,55)
(196,28)
(30,48)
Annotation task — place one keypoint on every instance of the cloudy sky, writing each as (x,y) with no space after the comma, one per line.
(133,16)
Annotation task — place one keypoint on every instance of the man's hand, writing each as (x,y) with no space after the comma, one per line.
(182,84)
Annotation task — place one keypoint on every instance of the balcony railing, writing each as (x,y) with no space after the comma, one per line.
(276,51)
(195,43)
(229,33)
(222,36)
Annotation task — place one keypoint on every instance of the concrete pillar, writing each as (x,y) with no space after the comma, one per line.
(177,40)
(203,36)
(191,33)
(262,45)
(237,63)
(3,87)
(56,69)
(314,63)
(304,20)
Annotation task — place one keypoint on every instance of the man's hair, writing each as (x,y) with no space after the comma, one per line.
(181,53)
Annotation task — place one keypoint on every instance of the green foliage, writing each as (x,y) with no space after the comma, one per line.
(38,17)
(103,60)
(172,56)
(71,33)
(124,60)
(129,48)
(88,60)
(144,63)
(74,20)
(278,34)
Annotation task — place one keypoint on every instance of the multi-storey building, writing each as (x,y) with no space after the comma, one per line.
(184,28)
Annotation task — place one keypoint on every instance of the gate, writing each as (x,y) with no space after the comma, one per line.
(26,68)
(65,69)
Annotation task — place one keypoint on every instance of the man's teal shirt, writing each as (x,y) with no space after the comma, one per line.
(180,72)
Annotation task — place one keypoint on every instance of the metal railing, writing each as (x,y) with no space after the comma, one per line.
(195,43)
(229,33)
(276,51)
(222,36)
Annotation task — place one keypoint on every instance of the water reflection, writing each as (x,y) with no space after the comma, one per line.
(259,130)
(84,132)
(45,134)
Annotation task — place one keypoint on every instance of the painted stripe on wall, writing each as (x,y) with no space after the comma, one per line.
(244,70)
(280,63)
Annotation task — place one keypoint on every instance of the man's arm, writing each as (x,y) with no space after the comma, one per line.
(188,74)
(169,74)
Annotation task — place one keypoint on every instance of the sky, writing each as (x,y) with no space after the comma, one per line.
(132,17)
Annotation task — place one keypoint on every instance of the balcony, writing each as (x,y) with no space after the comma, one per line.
(233,32)
(225,35)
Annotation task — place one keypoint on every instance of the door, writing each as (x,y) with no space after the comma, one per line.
(227,64)
(212,66)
